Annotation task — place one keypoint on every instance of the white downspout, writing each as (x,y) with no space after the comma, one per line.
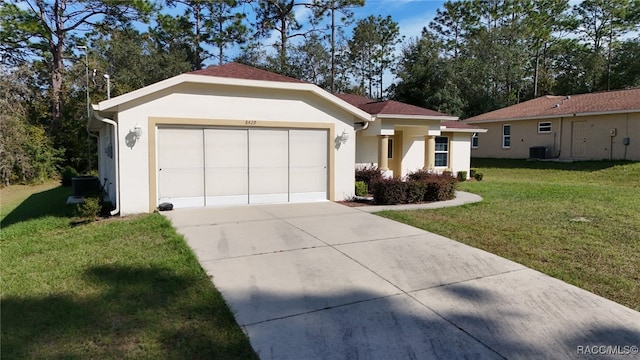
(116,156)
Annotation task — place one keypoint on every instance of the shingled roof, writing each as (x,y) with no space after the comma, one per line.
(556,106)
(387,107)
(391,107)
(240,71)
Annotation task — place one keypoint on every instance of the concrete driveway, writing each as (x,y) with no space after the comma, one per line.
(325,281)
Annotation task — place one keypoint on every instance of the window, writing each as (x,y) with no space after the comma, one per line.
(390,149)
(506,136)
(474,141)
(442,151)
(544,127)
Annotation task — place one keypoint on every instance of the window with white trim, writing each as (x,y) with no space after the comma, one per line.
(544,127)
(442,151)
(474,141)
(506,136)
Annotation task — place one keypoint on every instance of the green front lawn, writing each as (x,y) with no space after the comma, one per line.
(119,288)
(579,222)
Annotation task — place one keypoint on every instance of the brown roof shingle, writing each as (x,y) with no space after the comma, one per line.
(549,106)
(241,71)
(387,107)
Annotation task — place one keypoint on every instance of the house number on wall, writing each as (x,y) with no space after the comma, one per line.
(250,122)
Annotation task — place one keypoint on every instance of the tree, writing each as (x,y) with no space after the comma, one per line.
(600,23)
(45,28)
(225,26)
(425,77)
(309,61)
(27,152)
(544,17)
(371,50)
(194,9)
(279,16)
(322,8)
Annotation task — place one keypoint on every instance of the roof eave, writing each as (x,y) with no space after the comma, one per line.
(112,104)
(556,116)
(415,117)
(463,130)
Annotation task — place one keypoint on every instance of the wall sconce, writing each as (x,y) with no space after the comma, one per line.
(344,137)
(137,132)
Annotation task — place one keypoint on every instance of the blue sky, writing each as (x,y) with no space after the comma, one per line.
(411,15)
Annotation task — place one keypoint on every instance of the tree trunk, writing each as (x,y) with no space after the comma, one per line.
(333,49)
(198,60)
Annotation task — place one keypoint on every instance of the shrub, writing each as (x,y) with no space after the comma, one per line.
(371,175)
(361,188)
(66,174)
(478,176)
(440,187)
(462,176)
(419,175)
(90,209)
(415,191)
(472,173)
(390,191)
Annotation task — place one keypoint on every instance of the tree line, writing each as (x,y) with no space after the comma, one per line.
(480,55)
(474,56)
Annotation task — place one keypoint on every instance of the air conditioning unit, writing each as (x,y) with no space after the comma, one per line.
(538,152)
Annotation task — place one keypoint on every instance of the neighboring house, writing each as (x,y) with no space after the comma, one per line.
(404,138)
(234,134)
(593,126)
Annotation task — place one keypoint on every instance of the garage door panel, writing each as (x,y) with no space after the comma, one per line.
(308,162)
(205,167)
(268,166)
(226,167)
(180,167)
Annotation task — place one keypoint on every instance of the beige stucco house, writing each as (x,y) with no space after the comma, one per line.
(404,138)
(594,126)
(234,134)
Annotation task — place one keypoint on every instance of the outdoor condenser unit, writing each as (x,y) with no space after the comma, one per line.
(538,152)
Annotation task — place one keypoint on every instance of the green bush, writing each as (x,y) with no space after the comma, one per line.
(361,188)
(390,191)
(478,176)
(90,209)
(462,176)
(371,175)
(66,174)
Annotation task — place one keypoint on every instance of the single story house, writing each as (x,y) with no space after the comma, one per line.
(404,138)
(234,134)
(596,126)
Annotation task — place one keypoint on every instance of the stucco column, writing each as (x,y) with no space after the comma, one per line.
(383,152)
(429,152)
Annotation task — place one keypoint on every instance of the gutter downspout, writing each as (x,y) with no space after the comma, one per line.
(116,157)
(365,125)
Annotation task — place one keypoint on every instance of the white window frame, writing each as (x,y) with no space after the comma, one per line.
(544,127)
(474,140)
(445,151)
(506,136)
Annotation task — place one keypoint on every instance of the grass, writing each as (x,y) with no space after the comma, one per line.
(579,222)
(117,288)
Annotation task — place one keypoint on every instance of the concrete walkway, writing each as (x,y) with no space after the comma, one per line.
(325,281)
(462,198)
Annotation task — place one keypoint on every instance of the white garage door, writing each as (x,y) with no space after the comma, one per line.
(207,167)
